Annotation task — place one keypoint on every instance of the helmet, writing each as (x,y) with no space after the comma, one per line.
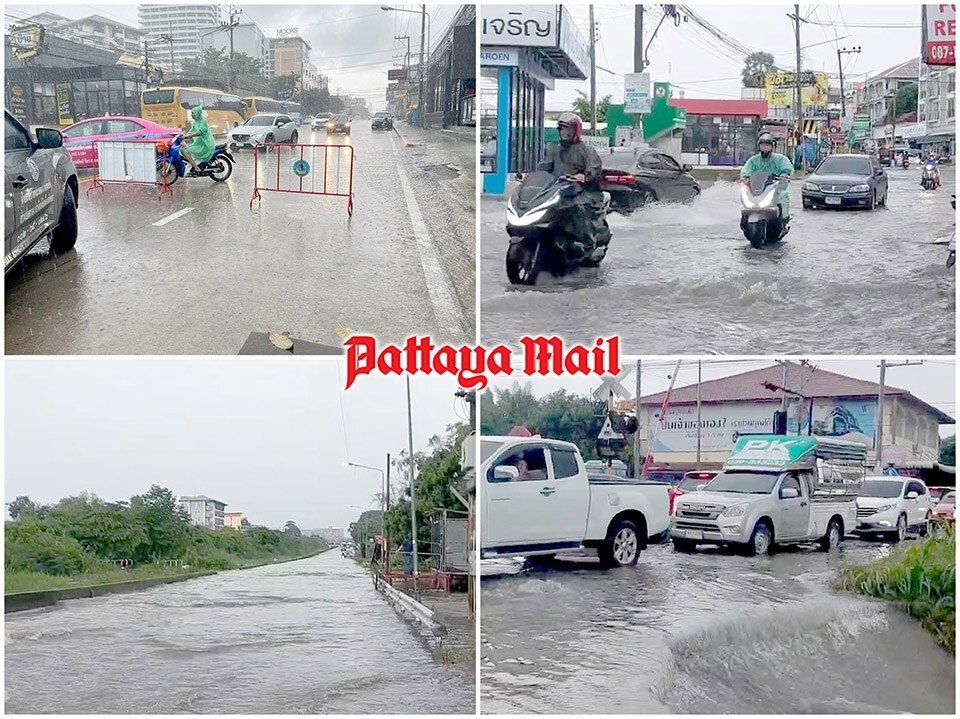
(572,120)
(765,139)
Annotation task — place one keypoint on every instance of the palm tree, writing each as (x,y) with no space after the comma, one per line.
(756,67)
(291,528)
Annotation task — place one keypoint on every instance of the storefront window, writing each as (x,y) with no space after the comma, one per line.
(488,118)
(526,97)
(726,142)
(45,103)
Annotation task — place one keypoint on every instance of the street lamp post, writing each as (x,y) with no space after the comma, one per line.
(383,495)
(424,27)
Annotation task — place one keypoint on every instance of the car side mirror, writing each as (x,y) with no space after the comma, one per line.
(505,473)
(687,168)
(49,139)
(789,493)
(912,495)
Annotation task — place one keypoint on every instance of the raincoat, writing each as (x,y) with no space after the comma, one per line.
(201,147)
(776,164)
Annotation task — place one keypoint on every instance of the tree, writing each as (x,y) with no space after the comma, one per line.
(584,109)
(216,64)
(756,67)
(906,101)
(283,87)
(948,451)
(292,529)
(20,507)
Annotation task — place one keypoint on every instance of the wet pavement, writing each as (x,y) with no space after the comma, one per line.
(682,279)
(306,637)
(202,282)
(709,632)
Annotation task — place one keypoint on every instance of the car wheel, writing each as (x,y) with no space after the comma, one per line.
(901,532)
(65,233)
(621,548)
(647,197)
(831,540)
(294,137)
(761,542)
(873,201)
(807,205)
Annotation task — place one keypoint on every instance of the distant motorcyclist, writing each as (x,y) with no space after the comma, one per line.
(580,162)
(774,164)
(934,160)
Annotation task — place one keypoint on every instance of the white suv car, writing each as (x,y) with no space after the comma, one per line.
(893,506)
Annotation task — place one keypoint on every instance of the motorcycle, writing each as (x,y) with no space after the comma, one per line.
(538,215)
(170,162)
(905,163)
(760,217)
(929,178)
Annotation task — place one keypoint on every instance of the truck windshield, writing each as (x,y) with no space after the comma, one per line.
(883,488)
(743,482)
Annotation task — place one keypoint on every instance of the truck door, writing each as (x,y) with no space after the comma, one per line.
(514,498)
(794,511)
(568,504)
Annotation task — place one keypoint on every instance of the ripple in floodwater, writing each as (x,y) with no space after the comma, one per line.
(306,637)
(681,278)
(709,632)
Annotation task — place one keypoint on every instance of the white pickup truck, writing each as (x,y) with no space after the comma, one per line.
(775,490)
(538,501)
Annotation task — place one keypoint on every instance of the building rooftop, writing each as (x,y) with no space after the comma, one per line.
(909,70)
(815,383)
(202,498)
(105,21)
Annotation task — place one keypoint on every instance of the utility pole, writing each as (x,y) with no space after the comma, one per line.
(146,62)
(699,407)
(638,60)
(169,38)
(234,21)
(783,398)
(593,72)
(413,494)
(883,378)
(843,98)
(386,508)
(420,104)
(636,435)
(893,138)
(406,64)
(798,90)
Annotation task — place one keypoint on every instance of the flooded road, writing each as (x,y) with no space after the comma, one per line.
(709,633)
(216,270)
(306,637)
(682,279)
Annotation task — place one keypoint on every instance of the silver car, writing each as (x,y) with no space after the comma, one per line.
(261,129)
(40,192)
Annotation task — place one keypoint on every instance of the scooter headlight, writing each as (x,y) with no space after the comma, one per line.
(768,197)
(746,198)
(533,215)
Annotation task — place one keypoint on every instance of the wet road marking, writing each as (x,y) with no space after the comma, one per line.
(438,286)
(171,218)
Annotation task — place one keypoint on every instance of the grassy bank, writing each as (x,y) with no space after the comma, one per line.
(920,578)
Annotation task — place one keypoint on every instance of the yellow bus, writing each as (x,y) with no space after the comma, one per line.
(256,105)
(170,106)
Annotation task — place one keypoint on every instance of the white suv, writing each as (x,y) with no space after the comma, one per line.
(893,506)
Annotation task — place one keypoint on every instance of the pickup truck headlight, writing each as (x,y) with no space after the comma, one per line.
(860,188)
(811,186)
(885,508)
(736,510)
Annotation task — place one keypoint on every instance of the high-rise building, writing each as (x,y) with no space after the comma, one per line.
(96,30)
(248,38)
(180,27)
(290,55)
(204,511)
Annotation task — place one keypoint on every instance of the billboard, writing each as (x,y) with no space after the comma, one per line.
(636,93)
(781,89)
(853,420)
(26,40)
(938,25)
(397,74)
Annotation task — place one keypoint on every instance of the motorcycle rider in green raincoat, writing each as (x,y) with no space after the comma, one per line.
(202,147)
(776,165)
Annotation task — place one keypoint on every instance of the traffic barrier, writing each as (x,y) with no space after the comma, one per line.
(128,162)
(304,170)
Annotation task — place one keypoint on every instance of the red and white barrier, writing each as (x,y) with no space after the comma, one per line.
(304,170)
(128,162)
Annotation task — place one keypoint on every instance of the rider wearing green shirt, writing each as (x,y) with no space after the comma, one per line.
(773,163)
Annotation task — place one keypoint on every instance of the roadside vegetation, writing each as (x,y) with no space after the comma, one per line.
(85,540)
(920,577)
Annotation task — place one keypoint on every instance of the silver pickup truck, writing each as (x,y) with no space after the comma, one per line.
(775,490)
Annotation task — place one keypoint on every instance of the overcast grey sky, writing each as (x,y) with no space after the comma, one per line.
(683,56)
(352,44)
(934,382)
(264,436)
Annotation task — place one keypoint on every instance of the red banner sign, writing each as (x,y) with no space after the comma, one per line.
(939,24)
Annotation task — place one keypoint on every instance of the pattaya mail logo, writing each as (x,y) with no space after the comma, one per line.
(474,365)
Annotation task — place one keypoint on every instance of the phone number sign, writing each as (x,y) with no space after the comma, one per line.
(939,23)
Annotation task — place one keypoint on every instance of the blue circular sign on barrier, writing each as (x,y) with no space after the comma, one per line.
(301,168)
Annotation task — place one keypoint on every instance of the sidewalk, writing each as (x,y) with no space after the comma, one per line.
(457,649)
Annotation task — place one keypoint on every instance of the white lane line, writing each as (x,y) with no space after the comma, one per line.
(171,218)
(444,306)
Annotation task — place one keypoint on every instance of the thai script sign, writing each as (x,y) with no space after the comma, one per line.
(524,25)
(781,89)
(939,29)
(26,40)
(397,74)
(636,93)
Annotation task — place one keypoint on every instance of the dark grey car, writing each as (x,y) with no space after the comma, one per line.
(650,176)
(856,181)
(40,192)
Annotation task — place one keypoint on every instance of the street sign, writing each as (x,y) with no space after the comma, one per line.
(636,93)
(607,432)
(397,74)
(939,32)
(25,40)
(861,127)
(613,385)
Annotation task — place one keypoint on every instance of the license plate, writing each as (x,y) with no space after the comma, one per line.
(833,200)
(689,534)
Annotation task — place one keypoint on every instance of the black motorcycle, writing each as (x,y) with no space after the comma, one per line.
(760,218)
(540,214)
(928,180)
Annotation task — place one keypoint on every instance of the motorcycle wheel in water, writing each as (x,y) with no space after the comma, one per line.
(760,214)
(538,215)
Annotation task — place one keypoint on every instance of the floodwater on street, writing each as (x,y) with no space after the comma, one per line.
(305,637)
(207,279)
(682,279)
(709,632)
